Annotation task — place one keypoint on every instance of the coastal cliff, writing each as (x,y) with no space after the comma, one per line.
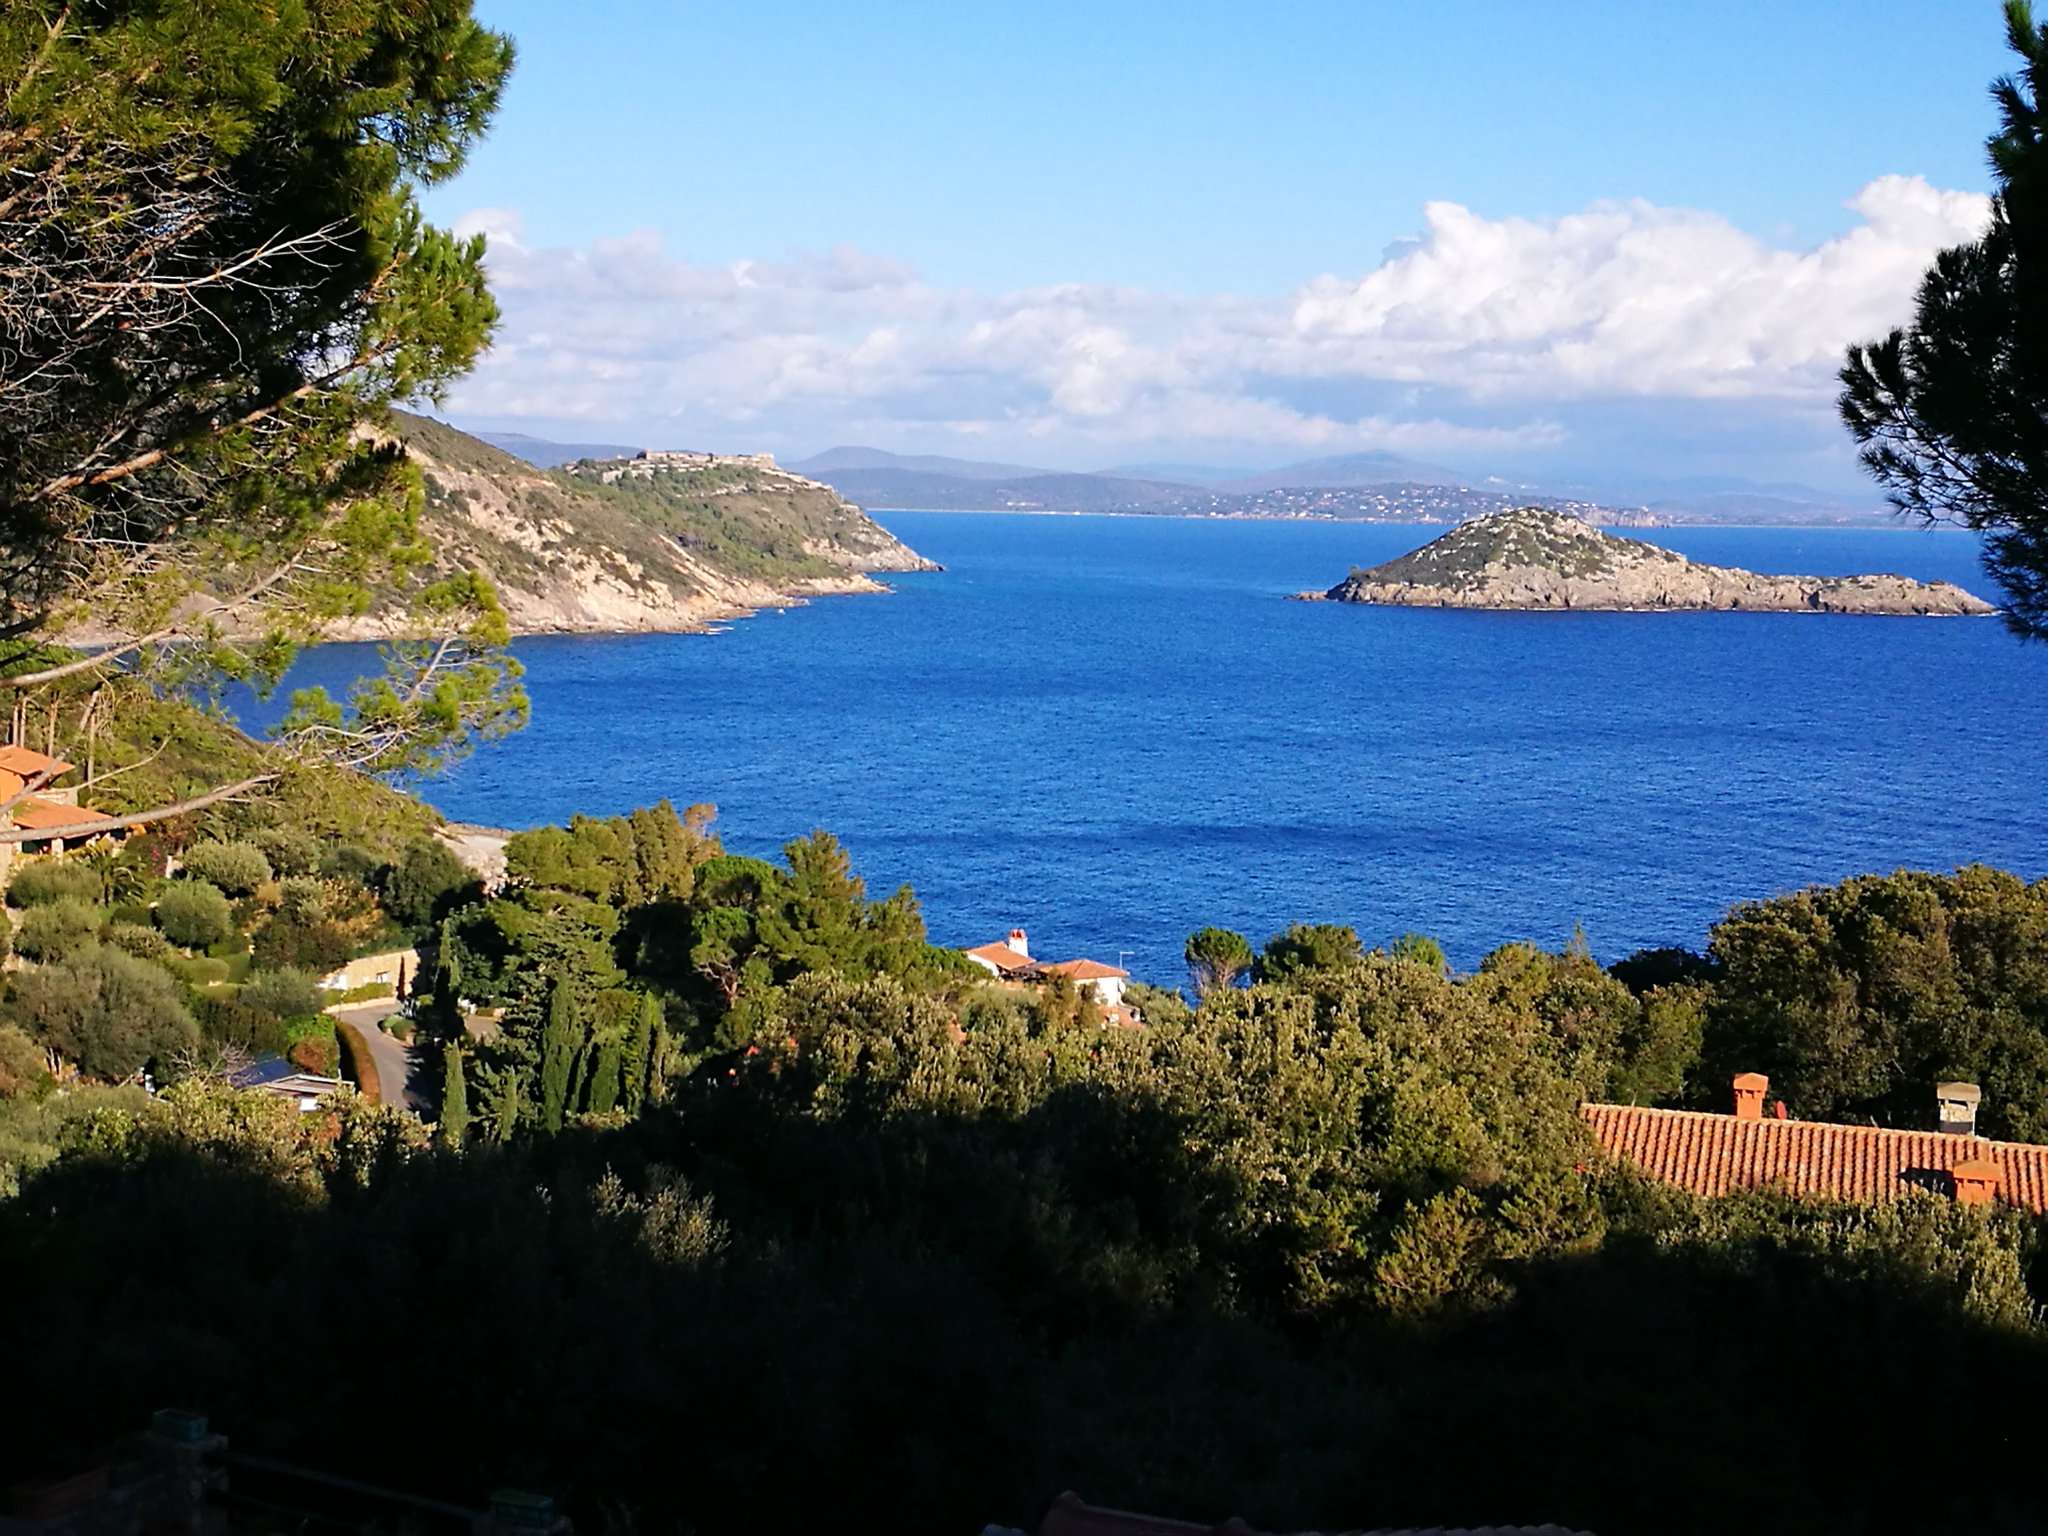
(675,544)
(1534,559)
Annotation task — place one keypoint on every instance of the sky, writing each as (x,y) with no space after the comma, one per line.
(1567,241)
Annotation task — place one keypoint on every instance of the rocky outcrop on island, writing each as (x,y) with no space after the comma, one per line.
(1535,559)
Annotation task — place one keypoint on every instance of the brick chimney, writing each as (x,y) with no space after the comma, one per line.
(1955,1108)
(1020,941)
(1750,1088)
(1976,1181)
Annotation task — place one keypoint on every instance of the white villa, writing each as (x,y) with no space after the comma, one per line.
(1010,960)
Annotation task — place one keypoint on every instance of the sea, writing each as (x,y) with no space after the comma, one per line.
(1111,731)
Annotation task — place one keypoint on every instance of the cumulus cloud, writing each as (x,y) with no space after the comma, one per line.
(1632,299)
(1463,339)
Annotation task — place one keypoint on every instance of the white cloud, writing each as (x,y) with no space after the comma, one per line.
(1466,338)
(1631,299)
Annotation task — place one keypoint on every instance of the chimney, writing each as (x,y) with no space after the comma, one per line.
(1955,1108)
(1976,1181)
(1750,1088)
(1020,941)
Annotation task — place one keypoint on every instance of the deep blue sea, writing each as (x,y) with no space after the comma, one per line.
(1112,731)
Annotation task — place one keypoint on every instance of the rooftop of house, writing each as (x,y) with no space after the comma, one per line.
(27,763)
(1716,1154)
(47,815)
(1002,957)
(1083,970)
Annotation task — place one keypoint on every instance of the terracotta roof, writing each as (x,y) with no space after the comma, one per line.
(1084,970)
(1713,1154)
(1071,1516)
(39,814)
(27,763)
(1002,957)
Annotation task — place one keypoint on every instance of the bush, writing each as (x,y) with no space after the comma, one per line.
(48,880)
(362,1064)
(317,947)
(237,868)
(423,885)
(23,1073)
(288,850)
(198,970)
(109,1012)
(351,862)
(288,993)
(6,934)
(134,939)
(224,1020)
(56,929)
(194,914)
(315,1053)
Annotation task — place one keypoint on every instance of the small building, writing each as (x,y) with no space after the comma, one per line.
(1716,1154)
(1105,983)
(394,968)
(1009,960)
(273,1074)
(33,803)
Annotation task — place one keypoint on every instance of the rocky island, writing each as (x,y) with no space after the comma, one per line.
(1536,559)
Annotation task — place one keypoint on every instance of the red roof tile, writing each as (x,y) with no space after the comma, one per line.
(1002,957)
(27,763)
(42,814)
(1084,970)
(1713,1154)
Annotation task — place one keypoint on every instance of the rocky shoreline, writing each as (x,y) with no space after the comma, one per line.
(1535,560)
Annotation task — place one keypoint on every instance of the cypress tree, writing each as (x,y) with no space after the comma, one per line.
(604,1078)
(559,1042)
(508,1106)
(639,1043)
(454,1096)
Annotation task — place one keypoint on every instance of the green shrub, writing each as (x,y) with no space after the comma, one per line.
(197,970)
(44,881)
(362,1064)
(288,993)
(422,887)
(55,929)
(193,913)
(109,1012)
(135,939)
(368,992)
(237,868)
(6,934)
(225,1020)
(351,862)
(23,1073)
(317,947)
(290,851)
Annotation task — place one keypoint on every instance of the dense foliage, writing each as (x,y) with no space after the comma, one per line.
(1952,410)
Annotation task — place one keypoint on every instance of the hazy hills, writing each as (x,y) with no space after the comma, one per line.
(1369,486)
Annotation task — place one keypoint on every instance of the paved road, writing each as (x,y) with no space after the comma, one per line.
(393,1057)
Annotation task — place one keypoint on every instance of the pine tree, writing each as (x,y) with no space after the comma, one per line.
(558,1047)
(639,1044)
(454,1097)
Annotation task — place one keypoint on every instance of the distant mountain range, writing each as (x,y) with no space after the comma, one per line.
(1371,486)
(550,455)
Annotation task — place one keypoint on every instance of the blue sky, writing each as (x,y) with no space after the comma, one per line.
(1205,162)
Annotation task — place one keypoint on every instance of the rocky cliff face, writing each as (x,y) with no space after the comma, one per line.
(672,551)
(1531,558)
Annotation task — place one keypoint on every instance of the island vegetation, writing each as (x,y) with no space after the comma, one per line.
(1535,559)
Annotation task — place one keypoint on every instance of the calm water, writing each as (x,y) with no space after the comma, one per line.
(1113,731)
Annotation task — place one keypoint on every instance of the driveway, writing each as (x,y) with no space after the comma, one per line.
(394,1058)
